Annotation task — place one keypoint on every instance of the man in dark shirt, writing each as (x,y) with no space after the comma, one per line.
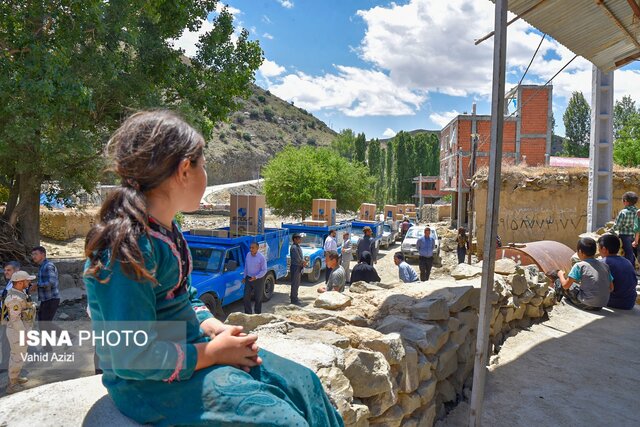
(364,271)
(297,264)
(624,293)
(367,244)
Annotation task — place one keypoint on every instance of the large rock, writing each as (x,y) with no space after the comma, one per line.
(526,297)
(468,318)
(332,300)
(427,391)
(338,388)
(368,372)
(363,287)
(409,377)
(447,362)
(425,416)
(250,321)
(505,266)
(392,417)
(518,284)
(431,308)
(428,338)
(446,391)
(409,402)
(426,364)
(549,298)
(379,403)
(465,271)
(315,355)
(390,345)
(464,294)
(534,311)
(321,336)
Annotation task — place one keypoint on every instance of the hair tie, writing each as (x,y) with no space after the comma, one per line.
(133,184)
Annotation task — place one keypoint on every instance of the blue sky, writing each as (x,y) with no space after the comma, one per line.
(379,67)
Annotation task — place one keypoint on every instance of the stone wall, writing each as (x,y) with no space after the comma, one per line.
(65,224)
(545,203)
(401,354)
(435,213)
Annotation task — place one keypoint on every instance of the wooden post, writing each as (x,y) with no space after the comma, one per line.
(492,210)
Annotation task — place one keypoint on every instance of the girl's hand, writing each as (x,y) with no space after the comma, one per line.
(212,327)
(232,347)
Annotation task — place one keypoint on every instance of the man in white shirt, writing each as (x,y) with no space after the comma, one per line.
(330,245)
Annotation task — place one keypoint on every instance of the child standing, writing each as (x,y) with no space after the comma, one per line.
(138,270)
(589,282)
(463,243)
(625,224)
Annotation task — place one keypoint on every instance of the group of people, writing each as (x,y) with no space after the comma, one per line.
(593,284)
(18,311)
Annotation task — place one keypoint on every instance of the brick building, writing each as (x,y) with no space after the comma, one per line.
(526,139)
(427,189)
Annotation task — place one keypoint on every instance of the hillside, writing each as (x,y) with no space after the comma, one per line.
(414,133)
(263,125)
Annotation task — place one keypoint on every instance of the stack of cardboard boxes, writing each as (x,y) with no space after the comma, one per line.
(367,212)
(390,212)
(323,213)
(406,210)
(247,215)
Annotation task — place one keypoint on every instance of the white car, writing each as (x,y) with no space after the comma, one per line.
(408,246)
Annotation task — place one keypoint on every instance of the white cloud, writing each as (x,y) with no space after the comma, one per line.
(353,91)
(442,119)
(271,69)
(188,40)
(389,133)
(267,36)
(286,3)
(266,19)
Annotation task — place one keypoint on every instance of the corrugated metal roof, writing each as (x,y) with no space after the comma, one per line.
(585,27)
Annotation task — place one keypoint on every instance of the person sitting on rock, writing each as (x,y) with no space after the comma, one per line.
(364,271)
(589,282)
(405,272)
(338,278)
(624,293)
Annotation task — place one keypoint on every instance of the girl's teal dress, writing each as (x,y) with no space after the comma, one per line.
(156,383)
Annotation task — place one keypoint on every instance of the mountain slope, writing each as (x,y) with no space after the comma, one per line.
(263,126)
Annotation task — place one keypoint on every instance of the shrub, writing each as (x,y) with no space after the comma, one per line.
(254,114)
(312,141)
(234,127)
(246,136)
(269,114)
(240,118)
(262,99)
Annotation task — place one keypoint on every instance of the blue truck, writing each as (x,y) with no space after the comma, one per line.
(312,245)
(219,260)
(357,233)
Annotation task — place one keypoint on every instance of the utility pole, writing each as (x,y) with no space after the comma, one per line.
(420,194)
(470,207)
(460,179)
(492,211)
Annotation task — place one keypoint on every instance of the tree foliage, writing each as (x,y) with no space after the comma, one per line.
(623,111)
(71,71)
(296,176)
(344,144)
(626,149)
(577,123)
(360,154)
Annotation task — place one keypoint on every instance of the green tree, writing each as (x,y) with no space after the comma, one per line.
(360,154)
(623,111)
(71,71)
(404,169)
(344,144)
(373,161)
(626,149)
(381,192)
(577,123)
(390,178)
(296,176)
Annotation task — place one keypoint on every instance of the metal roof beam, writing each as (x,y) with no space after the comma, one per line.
(634,7)
(615,19)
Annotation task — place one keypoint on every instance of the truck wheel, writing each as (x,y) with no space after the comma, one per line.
(315,274)
(214,305)
(269,287)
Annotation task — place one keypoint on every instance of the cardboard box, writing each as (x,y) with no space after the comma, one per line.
(390,211)
(410,208)
(247,214)
(324,210)
(210,233)
(368,211)
(399,217)
(313,223)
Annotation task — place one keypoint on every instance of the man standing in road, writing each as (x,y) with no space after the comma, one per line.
(425,246)
(346,255)
(9,268)
(48,293)
(330,245)
(255,270)
(368,244)
(295,271)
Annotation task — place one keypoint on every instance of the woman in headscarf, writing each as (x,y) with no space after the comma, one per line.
(364,271)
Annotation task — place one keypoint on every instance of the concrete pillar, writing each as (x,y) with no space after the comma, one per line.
(600,198)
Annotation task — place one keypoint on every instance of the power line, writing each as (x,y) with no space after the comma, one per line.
(532,58)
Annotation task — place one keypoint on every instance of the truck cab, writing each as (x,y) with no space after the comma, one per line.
(219,263)
(389,233)
(312,245)
(357,233)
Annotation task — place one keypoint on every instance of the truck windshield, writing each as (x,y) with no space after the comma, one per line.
(206,259)
(311,241)
(357,232)
(387,228)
